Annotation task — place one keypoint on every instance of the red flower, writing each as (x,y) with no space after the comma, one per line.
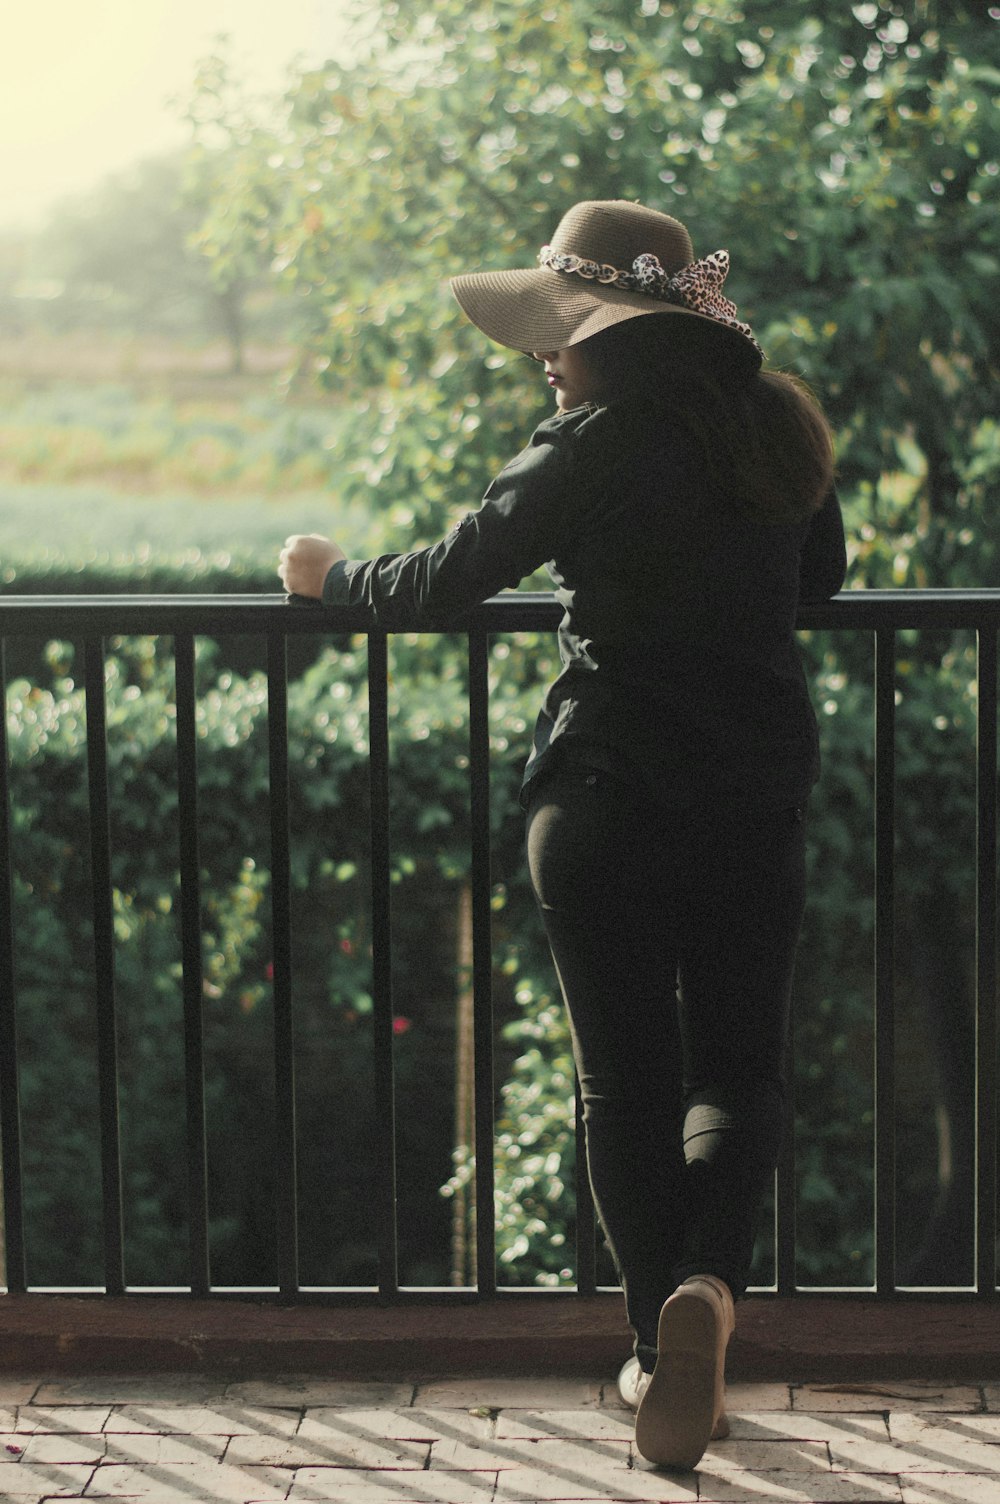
(269,971)
(401,1025)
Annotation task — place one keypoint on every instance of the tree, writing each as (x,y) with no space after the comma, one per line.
(851,163)
(229,190)
(126,257)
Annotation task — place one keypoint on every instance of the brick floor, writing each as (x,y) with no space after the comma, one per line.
(484,1441)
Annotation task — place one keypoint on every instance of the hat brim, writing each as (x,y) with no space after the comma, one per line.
(541,309)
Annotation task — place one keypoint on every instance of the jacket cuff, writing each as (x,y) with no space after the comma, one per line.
(337,585)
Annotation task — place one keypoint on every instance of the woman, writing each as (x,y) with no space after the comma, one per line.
(682,500)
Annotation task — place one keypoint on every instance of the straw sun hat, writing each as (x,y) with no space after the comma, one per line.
(608,261)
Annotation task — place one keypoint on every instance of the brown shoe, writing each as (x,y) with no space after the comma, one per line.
(682,1406)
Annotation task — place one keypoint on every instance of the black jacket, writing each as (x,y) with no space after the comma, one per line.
(677,643)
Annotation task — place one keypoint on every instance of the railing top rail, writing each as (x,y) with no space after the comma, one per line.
(513,611)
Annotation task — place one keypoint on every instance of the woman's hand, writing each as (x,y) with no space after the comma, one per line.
(305,561)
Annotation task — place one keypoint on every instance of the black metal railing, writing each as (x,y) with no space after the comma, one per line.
(183,618)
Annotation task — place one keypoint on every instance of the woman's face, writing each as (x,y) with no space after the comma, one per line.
(571,376)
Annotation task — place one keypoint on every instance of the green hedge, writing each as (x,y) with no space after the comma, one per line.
(337,1116)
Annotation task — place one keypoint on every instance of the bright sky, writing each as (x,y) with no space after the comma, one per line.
(85,84)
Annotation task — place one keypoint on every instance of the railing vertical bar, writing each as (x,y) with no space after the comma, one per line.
(104,958)
(986,965)
(586,1226)
(286,1166)
(385,1081)
(885,1034)
(11,1182)
(191,965)
(482,958)
(785,1199)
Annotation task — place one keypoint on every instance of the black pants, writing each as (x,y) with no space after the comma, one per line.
(673,932)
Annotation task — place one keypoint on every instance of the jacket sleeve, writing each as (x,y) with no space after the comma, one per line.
(516,530)
(823,562)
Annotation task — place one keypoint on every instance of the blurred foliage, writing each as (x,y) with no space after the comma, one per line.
(337,1111)
(849,160)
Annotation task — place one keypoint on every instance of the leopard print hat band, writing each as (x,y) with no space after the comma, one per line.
(609,261)
(697,286)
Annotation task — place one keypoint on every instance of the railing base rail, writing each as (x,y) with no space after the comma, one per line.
(805,1339)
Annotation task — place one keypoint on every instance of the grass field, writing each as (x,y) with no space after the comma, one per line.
(45,528)
(177,462)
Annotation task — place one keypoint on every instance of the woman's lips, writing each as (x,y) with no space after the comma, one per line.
(553,378)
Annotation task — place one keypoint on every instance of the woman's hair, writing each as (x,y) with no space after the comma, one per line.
(760,435)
